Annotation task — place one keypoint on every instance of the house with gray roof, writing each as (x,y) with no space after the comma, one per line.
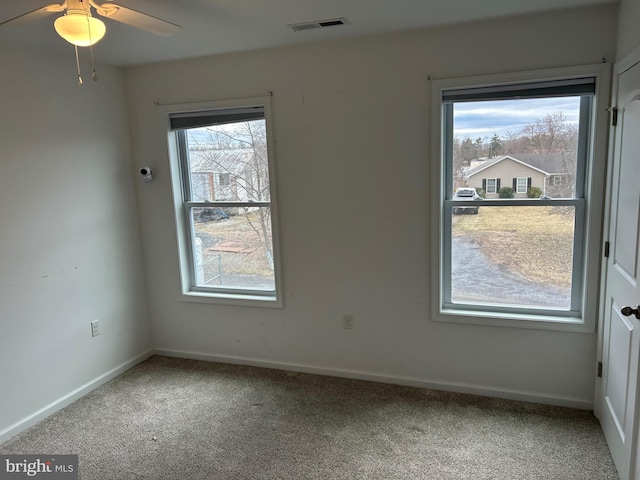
(553,174)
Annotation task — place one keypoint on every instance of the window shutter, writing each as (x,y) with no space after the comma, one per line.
(528,183)
(497,184)
(484,184)
(515,184)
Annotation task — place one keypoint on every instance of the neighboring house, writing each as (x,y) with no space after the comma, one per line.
(553,174)
(223,175)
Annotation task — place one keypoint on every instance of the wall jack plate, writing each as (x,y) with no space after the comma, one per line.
(95,328)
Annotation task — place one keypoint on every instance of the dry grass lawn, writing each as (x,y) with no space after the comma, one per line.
(238,231)
(535,242)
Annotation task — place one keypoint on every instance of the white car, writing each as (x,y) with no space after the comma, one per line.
(466,193)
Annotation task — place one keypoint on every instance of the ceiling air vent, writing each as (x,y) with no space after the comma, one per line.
(332,22)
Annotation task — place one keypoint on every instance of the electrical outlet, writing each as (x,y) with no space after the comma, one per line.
(95,328)
(348,321)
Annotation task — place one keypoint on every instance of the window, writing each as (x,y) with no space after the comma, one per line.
(521,184)
(224,179)
(222,165)
(519,259)
(491,185)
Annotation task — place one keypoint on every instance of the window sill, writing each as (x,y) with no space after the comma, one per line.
(241,300)
(513,320)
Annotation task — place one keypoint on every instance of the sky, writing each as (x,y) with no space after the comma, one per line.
(501,117)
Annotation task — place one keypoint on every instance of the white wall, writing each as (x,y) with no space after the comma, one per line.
(69,237)
(352,144)
(628,28)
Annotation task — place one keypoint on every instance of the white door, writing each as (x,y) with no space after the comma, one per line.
(617,402)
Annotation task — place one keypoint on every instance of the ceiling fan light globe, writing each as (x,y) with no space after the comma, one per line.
(80,29)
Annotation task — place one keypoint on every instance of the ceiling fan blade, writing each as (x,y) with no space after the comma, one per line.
(137,19)
(33,15)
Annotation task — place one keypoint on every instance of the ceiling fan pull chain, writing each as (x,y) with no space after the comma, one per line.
(94,75)
(78,65)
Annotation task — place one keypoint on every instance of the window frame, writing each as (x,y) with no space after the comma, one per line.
(589,210)
(495,185)
(189,291)
(526,182)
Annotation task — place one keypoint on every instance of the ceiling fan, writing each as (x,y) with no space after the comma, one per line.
(77,21)
(78,27)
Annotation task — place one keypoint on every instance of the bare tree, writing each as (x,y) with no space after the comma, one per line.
(464,151)
(550,134)
(241,153)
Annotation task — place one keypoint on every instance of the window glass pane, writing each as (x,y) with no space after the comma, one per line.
(229,162)
(513,256)
(496,142)
(233,248)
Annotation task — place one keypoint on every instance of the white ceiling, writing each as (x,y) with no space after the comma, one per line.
(222,26)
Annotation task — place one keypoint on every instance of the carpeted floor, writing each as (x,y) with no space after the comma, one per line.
(184,419)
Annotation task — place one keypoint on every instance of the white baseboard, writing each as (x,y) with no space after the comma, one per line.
(69,398)
(381,378)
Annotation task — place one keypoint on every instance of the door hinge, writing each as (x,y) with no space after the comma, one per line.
(614,115)
(599,369)
(606,249)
